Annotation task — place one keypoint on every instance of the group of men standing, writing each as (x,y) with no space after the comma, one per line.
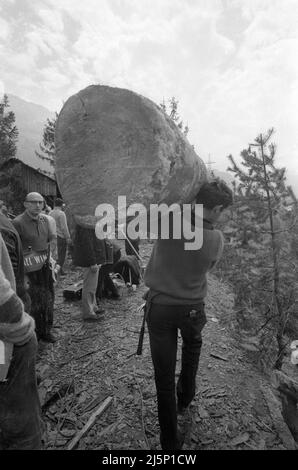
(177,284)
(26,313)
(31,246)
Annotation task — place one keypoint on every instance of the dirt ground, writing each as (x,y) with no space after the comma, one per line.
(234,407)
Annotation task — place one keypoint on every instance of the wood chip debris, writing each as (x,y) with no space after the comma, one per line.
(240,439)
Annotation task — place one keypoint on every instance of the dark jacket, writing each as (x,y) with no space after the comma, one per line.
(89,250)
(128,267)
(14,247)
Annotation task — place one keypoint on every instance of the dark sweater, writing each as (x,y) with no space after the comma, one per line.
(14,247)
(34,233)
(177,275)
(89,250)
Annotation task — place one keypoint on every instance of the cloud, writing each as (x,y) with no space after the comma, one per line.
(141,44)
(258,91)
(53,79)
(4,29)
(51,19)
(231,64)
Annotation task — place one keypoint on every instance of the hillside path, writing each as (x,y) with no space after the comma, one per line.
(234,407)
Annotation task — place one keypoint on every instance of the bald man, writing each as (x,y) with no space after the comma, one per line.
(36,234)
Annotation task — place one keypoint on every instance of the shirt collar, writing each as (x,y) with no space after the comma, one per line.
(207,225)
(28,217)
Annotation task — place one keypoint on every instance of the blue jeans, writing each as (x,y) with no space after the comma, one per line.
(163,324)
(20,414)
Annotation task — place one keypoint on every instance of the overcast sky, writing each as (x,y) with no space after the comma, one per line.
(232,64)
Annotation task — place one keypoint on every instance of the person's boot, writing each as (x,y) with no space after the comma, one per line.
(115,296)
(48,338)
(112,291)
(92,318)
(99,310)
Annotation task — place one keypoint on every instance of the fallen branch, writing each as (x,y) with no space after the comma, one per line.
(95,402)
(76,331)
(142,418)
(130,355)
(83,338)
(142,409)
(61,423)
(217,356)
(90,422)
(63,390)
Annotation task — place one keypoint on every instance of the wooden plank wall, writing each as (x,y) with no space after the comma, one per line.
(34,181)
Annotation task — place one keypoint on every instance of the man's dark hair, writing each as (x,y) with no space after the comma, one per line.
(58,202)
(215,193)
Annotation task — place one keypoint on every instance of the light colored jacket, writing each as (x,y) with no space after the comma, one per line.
(61,222)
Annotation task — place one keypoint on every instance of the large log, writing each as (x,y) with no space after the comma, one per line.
(112,142)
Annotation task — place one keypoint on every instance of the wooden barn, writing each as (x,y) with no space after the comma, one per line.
(32,179)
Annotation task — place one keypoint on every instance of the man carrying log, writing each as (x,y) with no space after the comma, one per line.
(178,285)
(36,234)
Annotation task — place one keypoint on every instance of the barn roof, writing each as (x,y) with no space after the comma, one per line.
(13,161)
(31,179)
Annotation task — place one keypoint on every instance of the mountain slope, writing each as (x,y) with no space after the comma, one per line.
(30,121)
(225,175)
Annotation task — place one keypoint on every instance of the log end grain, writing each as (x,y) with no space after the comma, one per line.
(112,142)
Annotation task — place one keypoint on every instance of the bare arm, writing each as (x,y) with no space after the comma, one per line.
(219,250)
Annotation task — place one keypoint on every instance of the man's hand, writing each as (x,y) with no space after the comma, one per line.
(20,333)
(94,268)
(26,283)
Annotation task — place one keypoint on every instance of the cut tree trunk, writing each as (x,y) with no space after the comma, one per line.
(113,142)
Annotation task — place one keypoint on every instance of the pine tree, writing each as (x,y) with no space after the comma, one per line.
(172,112)
(8,132)
(47,147)
(261,196)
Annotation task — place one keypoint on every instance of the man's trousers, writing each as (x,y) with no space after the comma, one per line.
(20,415)
(89,292)
(163,324)
(42,296)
